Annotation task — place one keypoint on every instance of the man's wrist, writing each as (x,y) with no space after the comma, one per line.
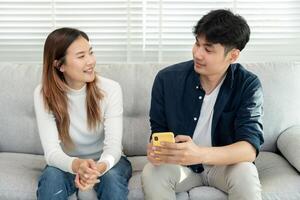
(203,154)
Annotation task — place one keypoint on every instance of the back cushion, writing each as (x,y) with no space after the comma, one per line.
(136,81)
(281,86)
(18,129)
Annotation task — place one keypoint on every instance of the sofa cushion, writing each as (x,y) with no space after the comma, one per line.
(18,129)
(280,82)
(289,145)
(278,178)
(136,81)
(19,175)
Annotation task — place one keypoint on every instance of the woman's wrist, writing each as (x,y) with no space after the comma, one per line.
(101,167)
(75,165)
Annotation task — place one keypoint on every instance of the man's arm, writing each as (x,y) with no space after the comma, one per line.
(186,152)
(158,119)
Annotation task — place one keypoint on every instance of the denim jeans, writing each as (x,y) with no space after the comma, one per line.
(56,184)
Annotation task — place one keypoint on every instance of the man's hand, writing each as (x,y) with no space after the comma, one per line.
(151,155)
(183,152)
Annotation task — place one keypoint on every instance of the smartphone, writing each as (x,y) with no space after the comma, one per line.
(157,138)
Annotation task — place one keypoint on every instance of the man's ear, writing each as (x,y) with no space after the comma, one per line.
(58,65)
(234,55)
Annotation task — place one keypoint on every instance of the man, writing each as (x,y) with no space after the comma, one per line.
(214,108)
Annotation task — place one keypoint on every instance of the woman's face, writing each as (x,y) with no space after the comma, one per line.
(79,65)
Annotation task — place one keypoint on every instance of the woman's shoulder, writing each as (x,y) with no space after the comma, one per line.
(108,85)
(37,91)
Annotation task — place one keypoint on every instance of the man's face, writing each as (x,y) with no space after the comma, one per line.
(210,58)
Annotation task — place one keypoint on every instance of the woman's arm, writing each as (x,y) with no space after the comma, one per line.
(113,126)
(48,132)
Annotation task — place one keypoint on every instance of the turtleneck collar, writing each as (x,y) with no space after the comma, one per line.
(77,92)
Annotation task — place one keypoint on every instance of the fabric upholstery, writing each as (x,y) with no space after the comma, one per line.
(278,178)
(21,160)
(288,144)
(281,98)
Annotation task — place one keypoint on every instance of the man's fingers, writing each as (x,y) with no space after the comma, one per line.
(170,159)
(172,146)
(182,138)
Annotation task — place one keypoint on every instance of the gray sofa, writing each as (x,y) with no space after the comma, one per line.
(21,159)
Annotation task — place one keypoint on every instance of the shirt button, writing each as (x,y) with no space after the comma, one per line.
(195,118)
(200,97)
(197,87)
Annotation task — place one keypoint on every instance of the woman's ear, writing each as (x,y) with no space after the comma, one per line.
(58,65)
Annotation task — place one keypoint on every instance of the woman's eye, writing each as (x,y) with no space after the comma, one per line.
(81,56)
(91,52)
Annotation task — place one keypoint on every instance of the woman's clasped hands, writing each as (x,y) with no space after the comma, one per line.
(87,173)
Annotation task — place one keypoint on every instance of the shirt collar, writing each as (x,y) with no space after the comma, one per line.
(229,77)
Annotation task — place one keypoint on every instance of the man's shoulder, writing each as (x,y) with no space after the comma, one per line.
(241,72)
(243,77)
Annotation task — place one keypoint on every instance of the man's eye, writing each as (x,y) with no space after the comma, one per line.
(197,44)
(207,50)
(81,56)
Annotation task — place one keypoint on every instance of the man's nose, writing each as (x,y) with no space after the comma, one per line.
(198,53)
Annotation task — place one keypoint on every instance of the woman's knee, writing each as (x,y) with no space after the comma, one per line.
(52,174)
(118,174)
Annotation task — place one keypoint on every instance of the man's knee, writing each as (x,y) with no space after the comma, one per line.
(159,181)
(156,174)
(245,171)
(243,179)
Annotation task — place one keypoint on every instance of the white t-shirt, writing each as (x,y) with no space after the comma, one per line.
(103,144)
(202,133)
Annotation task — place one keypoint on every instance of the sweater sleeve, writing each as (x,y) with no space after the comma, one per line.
(48,132)
(113,127)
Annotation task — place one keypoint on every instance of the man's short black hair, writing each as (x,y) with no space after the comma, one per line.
(224,27)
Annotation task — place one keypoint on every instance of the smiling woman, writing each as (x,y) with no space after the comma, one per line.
(79,116)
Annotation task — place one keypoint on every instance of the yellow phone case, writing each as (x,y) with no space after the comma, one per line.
(157,138)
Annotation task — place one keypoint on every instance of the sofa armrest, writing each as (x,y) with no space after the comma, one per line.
(289,145)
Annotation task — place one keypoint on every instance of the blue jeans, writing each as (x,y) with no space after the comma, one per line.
(56,184)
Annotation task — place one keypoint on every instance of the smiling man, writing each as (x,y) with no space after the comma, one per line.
(214,107)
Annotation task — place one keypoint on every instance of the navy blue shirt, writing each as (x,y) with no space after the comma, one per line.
(177,98)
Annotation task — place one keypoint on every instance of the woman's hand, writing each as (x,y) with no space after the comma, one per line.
(81,185)
(101,167)
(86,173)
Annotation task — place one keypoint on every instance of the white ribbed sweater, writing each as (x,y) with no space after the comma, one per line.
(103,144)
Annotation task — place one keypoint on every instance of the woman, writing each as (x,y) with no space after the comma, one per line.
(79,116)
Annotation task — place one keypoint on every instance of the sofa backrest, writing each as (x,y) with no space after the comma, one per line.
(18,130)
(281,86)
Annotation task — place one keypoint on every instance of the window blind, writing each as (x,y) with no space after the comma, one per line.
(134,31)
